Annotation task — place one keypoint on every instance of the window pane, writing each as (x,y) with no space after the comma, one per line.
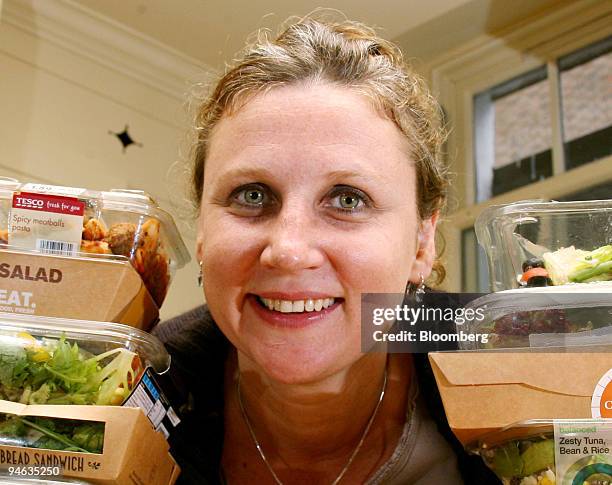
(586,94)
(522,124)
(474,270)
(513,134)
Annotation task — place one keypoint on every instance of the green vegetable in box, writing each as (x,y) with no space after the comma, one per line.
(531,461)
(52,434)
(54,371)
(571,265)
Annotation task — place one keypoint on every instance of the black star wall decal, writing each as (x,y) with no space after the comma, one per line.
(125,138)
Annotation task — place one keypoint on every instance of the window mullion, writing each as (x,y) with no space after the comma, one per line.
(556,119)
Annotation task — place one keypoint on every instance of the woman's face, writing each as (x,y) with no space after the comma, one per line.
(309,201)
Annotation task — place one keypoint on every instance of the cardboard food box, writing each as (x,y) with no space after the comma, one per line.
(78,222)
(133,453)
(88,288)
(486,391)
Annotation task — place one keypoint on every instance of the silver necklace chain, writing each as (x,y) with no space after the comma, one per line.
(351,458)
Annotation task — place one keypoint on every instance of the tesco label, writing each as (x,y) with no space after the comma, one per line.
(27,203)
(48,203)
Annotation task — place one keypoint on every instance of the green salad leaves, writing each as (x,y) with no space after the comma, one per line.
(571,265)
(52,433)
(54,371)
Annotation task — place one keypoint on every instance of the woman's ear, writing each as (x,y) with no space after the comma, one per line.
(426,249)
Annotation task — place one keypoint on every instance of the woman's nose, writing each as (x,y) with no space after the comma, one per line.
(292,244)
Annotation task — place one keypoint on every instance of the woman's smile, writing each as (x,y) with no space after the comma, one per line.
(293,313)
(296,306)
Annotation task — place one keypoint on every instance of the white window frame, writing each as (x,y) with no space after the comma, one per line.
(487,61)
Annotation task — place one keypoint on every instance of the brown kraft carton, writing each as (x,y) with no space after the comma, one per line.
(133,452)
(78,288)
(487,391)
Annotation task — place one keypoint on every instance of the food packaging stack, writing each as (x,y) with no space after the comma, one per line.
(77,253)
(534,398)
(82,385)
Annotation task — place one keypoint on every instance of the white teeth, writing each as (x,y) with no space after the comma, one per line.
(297,306)
(286,306)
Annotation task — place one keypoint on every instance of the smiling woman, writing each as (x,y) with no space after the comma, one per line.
(307,189)
(318,178)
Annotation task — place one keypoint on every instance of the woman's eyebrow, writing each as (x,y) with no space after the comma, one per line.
(259,173)
(243,172)
(356,174)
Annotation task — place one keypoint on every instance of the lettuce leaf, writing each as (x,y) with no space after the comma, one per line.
(571,265)
(57,372)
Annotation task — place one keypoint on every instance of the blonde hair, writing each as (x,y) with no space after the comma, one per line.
(341,53)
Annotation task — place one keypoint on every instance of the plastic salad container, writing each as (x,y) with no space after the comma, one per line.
(524,454)
(53,361)
(554,243)
(568,316)
(520,454)
(71,221)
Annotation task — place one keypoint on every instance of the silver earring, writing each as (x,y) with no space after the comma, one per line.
(200,276)
(420,291)
(417,290)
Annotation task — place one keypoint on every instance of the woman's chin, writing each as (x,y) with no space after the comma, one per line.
(294,375)
(296,348)
(298,364)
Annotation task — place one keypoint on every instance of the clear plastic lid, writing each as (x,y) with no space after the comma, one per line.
(124,223)
(568,316)
(46,360)
(521,453)
(522,430)
(559,233)
(524,453)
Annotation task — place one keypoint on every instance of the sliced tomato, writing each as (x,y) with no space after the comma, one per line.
(138,371)
(530,273)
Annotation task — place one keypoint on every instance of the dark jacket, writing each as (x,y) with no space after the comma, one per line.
(199,350)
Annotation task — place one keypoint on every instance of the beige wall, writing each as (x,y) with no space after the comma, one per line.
(62,90)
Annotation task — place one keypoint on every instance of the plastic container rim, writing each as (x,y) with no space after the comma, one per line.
(91,330)
(123,200)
